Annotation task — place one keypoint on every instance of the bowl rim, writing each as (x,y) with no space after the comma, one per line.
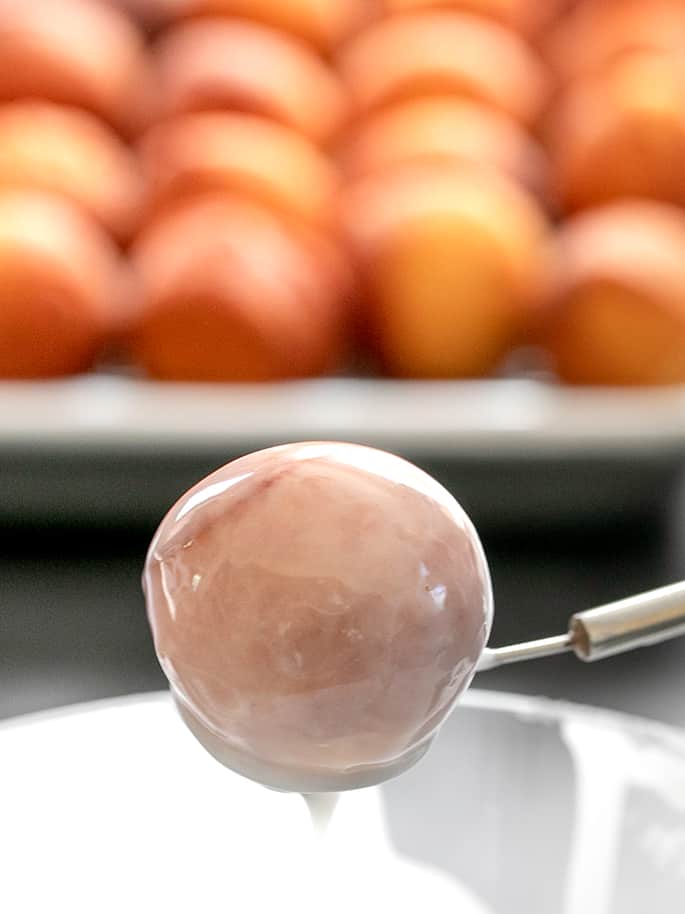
(558,711)
(532,708)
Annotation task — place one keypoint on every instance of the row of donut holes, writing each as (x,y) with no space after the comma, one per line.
(250,262)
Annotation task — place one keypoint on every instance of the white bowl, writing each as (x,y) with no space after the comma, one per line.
(522,806)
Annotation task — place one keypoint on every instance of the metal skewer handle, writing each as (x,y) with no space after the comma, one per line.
(638,621)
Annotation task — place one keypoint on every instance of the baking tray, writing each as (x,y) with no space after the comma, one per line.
(109,447)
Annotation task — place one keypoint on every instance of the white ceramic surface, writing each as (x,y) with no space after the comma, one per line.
(522,805)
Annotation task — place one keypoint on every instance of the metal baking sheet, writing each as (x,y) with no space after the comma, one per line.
(510,449)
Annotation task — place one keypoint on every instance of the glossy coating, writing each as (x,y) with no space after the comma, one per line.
(317,608)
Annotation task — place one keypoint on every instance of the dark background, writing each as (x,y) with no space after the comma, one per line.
(72,619)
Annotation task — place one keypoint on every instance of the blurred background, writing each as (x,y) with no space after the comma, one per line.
(452,229)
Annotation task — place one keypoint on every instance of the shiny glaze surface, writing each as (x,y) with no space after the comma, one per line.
(318,607)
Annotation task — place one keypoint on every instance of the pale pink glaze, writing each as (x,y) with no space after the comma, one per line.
(317,608)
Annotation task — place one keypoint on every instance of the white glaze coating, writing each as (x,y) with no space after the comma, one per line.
(317,608)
